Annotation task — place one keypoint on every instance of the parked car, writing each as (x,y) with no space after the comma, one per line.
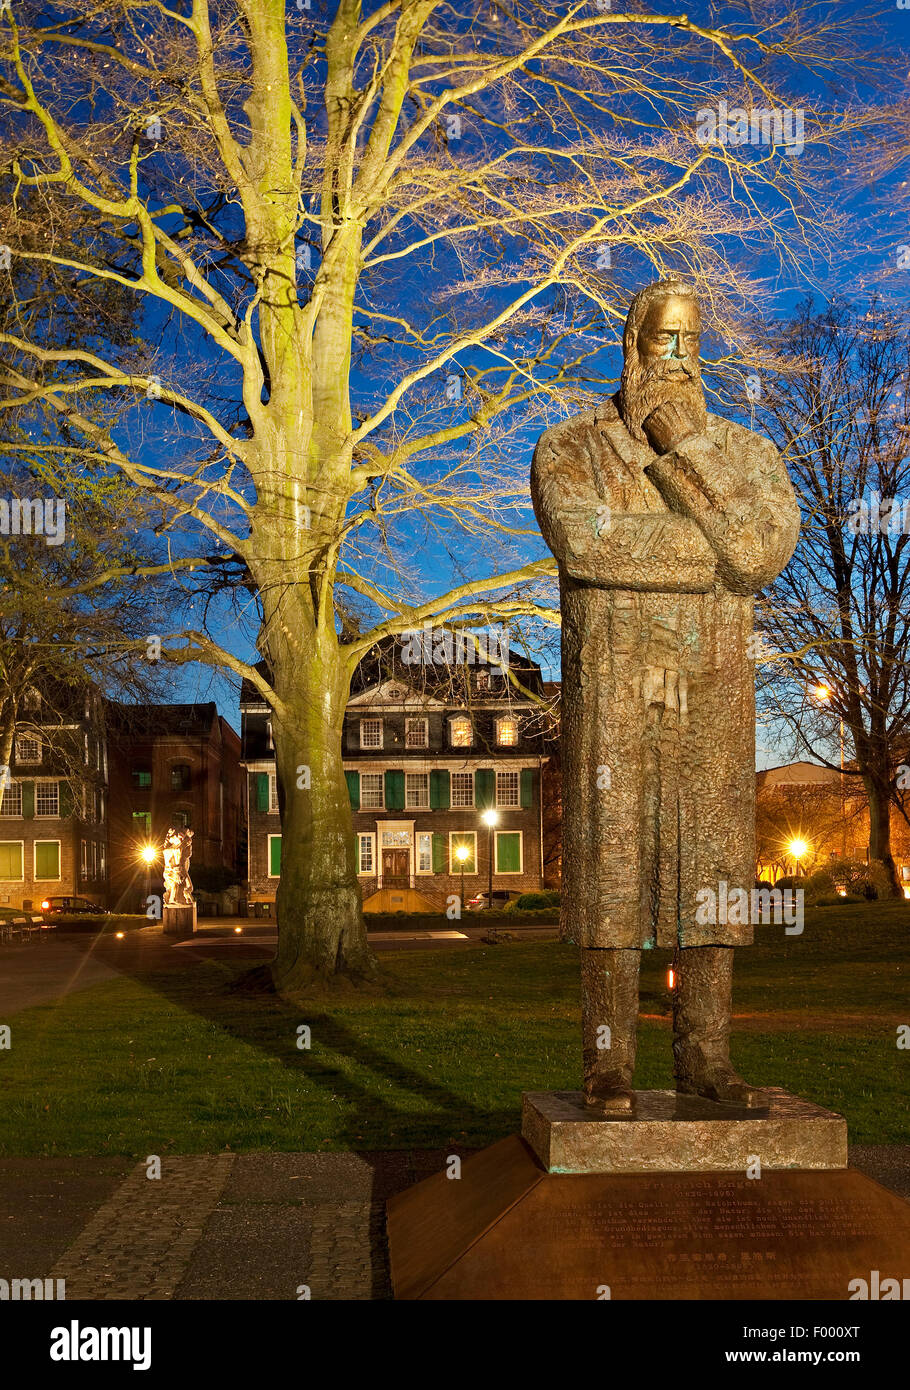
(16,924)
(71,907)
(501,898)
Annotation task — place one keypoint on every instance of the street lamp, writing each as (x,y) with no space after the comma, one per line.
(798,848)
(461,854)
(823,693)
(490,818)
(148,854)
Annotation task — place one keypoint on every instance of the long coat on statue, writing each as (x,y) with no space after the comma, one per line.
(658,670)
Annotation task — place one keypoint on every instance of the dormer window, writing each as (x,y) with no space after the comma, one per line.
(371,733)
(461,733)
(415,733)
(507,732)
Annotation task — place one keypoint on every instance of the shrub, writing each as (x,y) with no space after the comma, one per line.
(532,902)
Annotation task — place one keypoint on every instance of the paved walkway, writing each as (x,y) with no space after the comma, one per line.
(223,1226)
(45,970)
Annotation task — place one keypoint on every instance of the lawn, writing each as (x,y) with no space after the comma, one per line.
(175,1061)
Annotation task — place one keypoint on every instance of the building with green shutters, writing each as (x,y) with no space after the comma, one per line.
(427,749)
(53,807)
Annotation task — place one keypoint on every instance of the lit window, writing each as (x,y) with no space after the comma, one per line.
(28,748)
(11,805)
(371,733)
(461,733)
(365,856)
(417,790)
(141,776)
(425,853)
(47,798)
(507,732)
(462,789)
(371,791)
(415,733)
(507,788)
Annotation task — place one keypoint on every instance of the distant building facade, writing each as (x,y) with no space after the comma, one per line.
(54,804)
(173,764)
(427,749)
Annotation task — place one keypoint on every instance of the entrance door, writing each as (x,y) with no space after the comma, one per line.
(396,864)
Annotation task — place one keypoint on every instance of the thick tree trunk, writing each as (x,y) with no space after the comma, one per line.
(878,791)
(321,930)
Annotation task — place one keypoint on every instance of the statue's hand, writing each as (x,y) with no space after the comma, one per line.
(668,425)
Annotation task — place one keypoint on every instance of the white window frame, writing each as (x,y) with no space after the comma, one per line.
(83,859)
(460,719)
(424,729)
(11,815)
(409,804)
(454,866)
(21,844)
(372,805)
(428,836)
(507,719)
(509,772)
(372,719)
(29,738)
(361,872)
(509,873)
(461,805)
(59,877)
(47,815)
(273,792)
(268,860)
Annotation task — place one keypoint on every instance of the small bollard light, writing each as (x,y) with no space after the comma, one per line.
(671,978)
(119,935)
(238,930)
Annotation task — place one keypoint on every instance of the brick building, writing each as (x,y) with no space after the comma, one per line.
(54,806)
(173,765)
(426,750)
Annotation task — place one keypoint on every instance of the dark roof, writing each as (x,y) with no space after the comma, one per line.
(154,720)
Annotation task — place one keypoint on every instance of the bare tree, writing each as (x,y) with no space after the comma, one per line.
(837,622)
(389,247)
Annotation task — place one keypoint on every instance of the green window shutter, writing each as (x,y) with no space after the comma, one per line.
(508,852)
(484,788)
(439,853)
(439,789)
(10,860)
(28,799)
(353,781)
(47,859)
(67,801)
(394,791)
(527,787)
(262,791)
(275,855)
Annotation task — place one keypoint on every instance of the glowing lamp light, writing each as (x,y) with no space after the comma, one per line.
(798,848)
(671,978)
(461,853)
(822,692)
(119,935)
(45,905)
(238,930)
(148,854)
(490,817)
(843,892)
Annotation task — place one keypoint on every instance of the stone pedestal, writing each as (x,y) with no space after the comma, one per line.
(682,1134)
(508,1229)
(179,920)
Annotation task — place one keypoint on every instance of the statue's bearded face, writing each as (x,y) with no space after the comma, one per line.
(662,364)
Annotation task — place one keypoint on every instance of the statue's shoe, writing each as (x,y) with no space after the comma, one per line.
(725,1086)
(610,1098)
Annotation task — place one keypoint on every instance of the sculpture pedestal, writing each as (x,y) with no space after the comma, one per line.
(179,920)
(674,1133)
(671,1214)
